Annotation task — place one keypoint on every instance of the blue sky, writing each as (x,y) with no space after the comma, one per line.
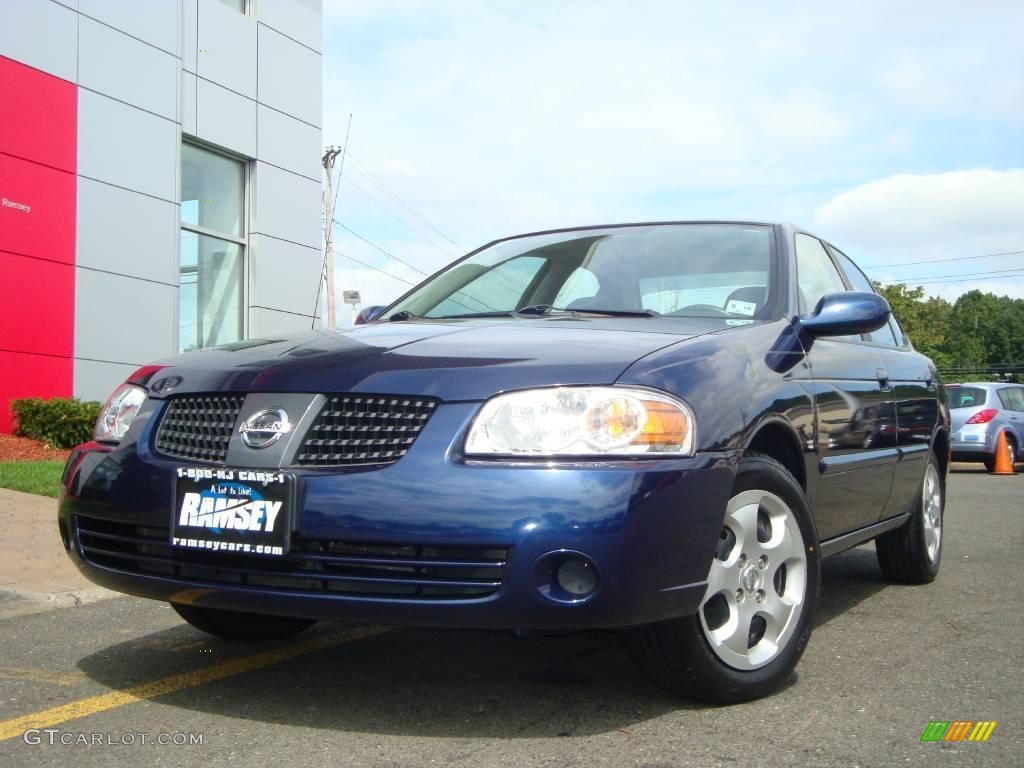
(894,129)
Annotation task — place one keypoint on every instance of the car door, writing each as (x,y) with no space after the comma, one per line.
(911,384)
(854,413)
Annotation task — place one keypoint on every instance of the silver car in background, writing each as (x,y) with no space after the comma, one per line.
(979,411)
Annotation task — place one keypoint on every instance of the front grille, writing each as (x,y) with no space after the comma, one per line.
(363,429)
(402,571)
(198,427)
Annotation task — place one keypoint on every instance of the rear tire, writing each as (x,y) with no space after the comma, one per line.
(232,625)
(912,553)
(756,616)
(1011,444)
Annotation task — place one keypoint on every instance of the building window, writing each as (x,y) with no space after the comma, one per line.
(212,257)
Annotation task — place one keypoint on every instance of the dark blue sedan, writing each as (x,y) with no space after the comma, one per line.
(658,428)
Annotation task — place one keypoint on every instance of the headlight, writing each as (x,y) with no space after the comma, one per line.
(582,421)
(118,413)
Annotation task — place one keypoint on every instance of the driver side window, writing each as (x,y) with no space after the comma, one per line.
(816,274)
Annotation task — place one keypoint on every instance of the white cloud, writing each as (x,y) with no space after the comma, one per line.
(931,217)
(503,117)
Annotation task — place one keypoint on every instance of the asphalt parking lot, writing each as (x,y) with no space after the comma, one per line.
(884,660)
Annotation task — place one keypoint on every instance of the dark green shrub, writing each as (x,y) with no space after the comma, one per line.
(61,422)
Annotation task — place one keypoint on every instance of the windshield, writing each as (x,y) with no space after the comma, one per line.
(966,397)
(678,270)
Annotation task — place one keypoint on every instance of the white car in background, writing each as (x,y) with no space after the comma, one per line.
(980,411)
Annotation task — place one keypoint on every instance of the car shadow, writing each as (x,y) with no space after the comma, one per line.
(968,469)
(436,683)
(848,579)
(406,682)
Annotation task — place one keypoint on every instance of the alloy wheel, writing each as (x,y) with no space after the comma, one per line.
(757,583)
(931,509)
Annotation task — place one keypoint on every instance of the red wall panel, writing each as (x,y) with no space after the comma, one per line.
(37,310)
(31,376)
(38,131)
(39,116)
(37,210)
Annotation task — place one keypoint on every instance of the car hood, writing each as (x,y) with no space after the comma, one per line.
(457,360)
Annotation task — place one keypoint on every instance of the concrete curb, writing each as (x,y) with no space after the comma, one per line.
(14,603)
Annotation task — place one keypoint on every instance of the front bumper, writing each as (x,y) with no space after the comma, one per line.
(648,526)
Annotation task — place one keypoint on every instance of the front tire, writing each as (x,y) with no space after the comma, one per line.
(232,625)
(911,554)
(756,616)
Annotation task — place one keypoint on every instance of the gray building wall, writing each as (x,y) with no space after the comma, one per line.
(150,73)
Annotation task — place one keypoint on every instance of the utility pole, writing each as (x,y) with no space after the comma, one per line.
(330,155)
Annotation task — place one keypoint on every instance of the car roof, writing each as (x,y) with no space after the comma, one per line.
(624,224)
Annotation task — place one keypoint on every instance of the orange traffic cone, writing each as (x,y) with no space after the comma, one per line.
(1002,463)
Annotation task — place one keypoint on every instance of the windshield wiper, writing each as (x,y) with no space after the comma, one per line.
(545,309)
(540,310)
(531,310)
(615,312)
(470,315)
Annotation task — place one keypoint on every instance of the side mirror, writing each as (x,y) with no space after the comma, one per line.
(369,314)
(847,314)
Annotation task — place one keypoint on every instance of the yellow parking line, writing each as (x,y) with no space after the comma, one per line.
(48,718)
(42,676)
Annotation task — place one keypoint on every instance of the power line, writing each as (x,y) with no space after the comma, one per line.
(403,280)
(397,217)
(941,261)
(501,280)
(956,275)
(374,245)
(319,286)
(384,188)
(341,168)
(376,269)
(954,280)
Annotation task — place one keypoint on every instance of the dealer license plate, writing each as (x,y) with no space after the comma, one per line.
(243,511)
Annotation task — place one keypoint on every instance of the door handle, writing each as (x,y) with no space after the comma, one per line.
(883,378)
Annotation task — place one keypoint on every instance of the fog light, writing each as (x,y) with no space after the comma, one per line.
(577,577)
(566,577)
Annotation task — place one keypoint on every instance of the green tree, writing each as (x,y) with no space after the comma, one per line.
(925,320)
(978,331)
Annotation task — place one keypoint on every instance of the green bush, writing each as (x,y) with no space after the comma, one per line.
(61,422)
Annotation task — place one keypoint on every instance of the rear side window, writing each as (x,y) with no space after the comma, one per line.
(966,397)
(859,281)
(901,337)
(1012,398)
